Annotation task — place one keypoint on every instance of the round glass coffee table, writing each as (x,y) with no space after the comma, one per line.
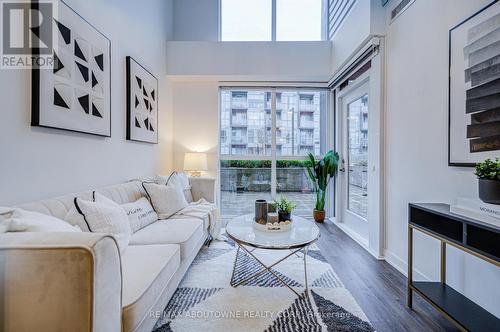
(302,234)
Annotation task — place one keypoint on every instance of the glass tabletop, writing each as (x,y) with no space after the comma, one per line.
(303,232)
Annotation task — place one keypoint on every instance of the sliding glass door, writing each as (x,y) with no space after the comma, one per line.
(265,137)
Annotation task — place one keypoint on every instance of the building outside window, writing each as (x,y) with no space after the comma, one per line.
(259,20)
(247,155)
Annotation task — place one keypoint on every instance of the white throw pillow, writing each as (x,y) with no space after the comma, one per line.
(160,179)
(166,200)
(75,218)
(179,180)
(106,216)
(140,213)
(19,220)
(186,187)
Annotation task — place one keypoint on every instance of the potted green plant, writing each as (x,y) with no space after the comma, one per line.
(488,173)
(285,208)
(320,173)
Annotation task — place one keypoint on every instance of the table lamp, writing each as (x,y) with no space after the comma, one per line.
(195,162)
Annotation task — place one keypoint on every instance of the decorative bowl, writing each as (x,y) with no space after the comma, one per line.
(283,226)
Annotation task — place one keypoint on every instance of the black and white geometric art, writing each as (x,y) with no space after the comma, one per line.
(205,301)
(474,88)
(142,103)
(76,94)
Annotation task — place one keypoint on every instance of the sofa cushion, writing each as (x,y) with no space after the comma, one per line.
(177,179)
(75,218)
(140,213)
(186,187)
(166,200)
(105,216)
(185,232)
(60,206)
(19,220)
(146,271)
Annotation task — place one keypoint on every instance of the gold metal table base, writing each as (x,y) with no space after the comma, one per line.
(444,242)
(269,267)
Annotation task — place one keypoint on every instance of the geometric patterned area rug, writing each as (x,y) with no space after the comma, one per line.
(206,302)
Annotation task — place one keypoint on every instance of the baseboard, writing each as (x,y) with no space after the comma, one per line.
(399,264)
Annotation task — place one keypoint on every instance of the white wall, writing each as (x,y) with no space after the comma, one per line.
(39,163)
(195,69)
(196,117)
(196,20)
(366,19)
(250,60)
(416,143)
(353,31)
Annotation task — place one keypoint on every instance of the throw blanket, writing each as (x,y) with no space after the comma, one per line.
(5,215)
(203,209)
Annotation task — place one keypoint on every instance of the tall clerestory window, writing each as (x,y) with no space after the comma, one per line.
(272,20)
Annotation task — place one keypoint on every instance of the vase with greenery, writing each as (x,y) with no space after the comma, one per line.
(320,173)
(285,208)
(488,174)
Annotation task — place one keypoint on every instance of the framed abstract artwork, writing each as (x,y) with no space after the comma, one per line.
(474,88)
(75,94)
(142,103)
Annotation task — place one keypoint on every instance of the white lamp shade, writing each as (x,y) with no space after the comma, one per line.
(195,161)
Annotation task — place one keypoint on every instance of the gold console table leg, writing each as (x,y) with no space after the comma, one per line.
(443,262)
(410,267)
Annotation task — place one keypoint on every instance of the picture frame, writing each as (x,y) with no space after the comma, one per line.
(474,88)
(75,95)
(142,103)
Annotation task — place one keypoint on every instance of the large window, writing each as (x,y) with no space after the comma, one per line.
(298,19)
(298,122)
(265,137)
(271,20)
(243,20)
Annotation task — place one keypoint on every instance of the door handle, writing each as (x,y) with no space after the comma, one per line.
(342,166)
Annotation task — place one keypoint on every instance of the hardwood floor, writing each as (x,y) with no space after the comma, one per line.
(379,288)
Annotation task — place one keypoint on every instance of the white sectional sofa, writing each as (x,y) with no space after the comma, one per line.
(80,282)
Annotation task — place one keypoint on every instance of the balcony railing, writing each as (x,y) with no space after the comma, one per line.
(306,142)
(239,122)
(241,179)
(307,124)
(238,140)
(308,107)
(240,105)
(279,106)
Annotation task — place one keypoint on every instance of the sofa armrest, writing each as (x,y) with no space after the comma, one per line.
(60,282)
(203,188)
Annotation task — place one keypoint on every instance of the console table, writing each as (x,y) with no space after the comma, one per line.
(472,236)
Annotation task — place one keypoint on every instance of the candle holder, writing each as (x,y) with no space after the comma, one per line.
(272,217)
(261,211)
